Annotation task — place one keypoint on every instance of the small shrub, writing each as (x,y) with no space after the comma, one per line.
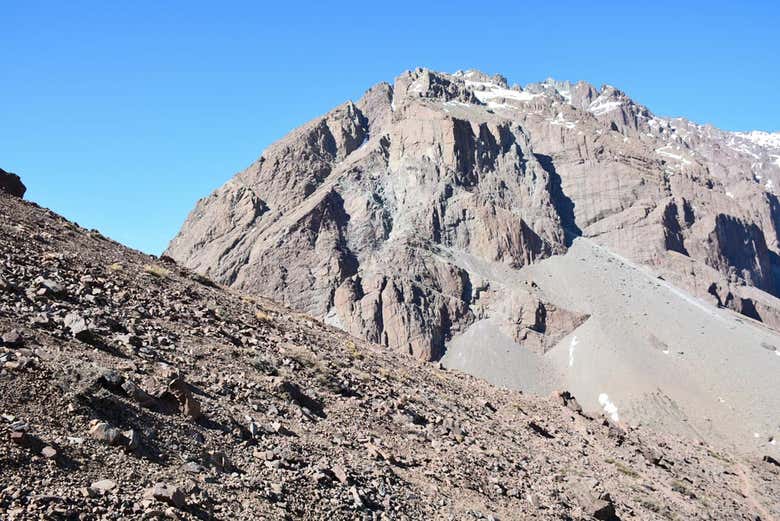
(200,279)
(265,364)
(625,469)
(302,356)
(354,350)
(156,271)
(681,488)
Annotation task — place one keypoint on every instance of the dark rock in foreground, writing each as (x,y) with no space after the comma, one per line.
(12,184)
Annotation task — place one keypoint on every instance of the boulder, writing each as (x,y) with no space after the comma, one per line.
(78,327)
(103,431)
(11,184)
(13,338)
(103,486)
(166,493)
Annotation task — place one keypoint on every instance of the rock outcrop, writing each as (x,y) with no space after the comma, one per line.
(11,184)
(396,217)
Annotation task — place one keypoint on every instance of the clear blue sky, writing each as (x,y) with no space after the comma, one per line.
(120,115)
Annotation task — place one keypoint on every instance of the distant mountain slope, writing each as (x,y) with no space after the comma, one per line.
(346,218)
(133,388)
(649,353)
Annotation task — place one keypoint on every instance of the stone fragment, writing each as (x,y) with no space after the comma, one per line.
(50,287)
(771,460)
(570,401)
(103,486)
(166,493)
(18,437)
(13,338)
(78,327)
(603,510)
(220,461)
(131,439)
(356,498)
(340,474)
(137,394)
(188,404)
(49,452)
(103,431)
(194,468)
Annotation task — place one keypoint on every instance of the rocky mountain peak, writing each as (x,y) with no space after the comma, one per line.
(461,163)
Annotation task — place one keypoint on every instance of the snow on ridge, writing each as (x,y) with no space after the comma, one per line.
(486,91)
(561,87)
(662,151)
(601,106)
(761,138)
(562,122)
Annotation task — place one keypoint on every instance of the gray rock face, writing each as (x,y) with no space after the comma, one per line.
(388,217)
(11,183)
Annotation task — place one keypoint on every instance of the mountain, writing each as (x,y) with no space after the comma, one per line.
(367,215)
(133,388)
(551,236)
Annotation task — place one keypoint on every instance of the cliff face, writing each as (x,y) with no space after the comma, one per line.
(390,216)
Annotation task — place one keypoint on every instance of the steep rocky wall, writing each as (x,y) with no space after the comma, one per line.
(360,216)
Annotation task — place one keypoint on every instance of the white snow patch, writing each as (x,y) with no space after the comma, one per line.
(662,151)
(609,407)
(759,137)
(729,194)
(416,86)
(491,91)
(454,103)
(601,106)
(571,350)
(769,186)
(562,122)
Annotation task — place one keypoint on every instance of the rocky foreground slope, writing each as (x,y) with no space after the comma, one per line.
(384,215)
(133,388)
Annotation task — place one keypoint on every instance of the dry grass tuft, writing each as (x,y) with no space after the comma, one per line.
(156,271)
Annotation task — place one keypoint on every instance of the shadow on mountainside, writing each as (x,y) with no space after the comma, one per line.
(563,204)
